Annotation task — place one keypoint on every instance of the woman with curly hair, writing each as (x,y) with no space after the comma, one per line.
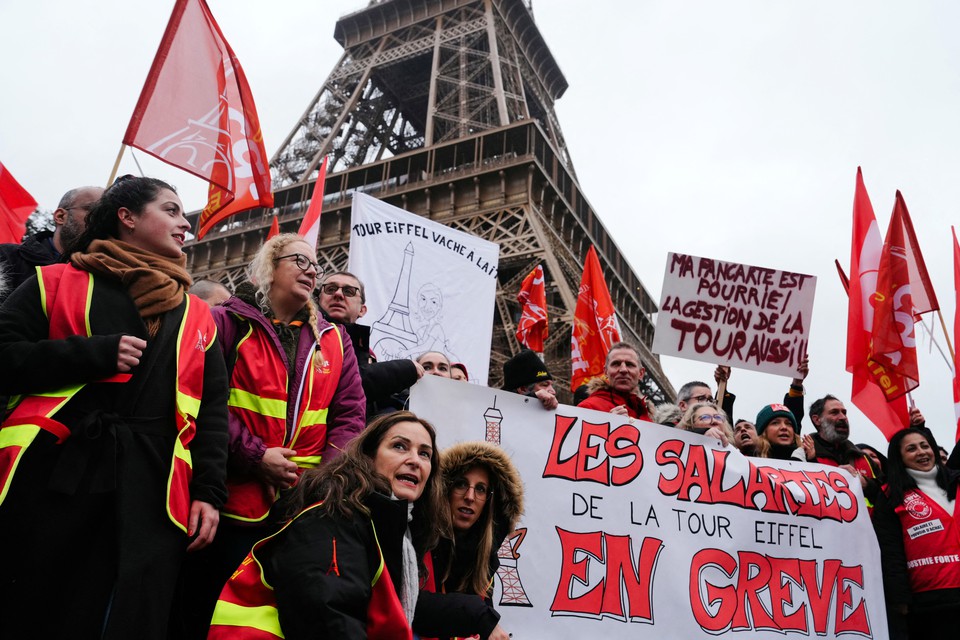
(347,565)
(707,419)
(113,460)
(296,400)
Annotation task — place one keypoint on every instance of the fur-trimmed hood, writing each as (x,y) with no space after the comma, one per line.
(506,480)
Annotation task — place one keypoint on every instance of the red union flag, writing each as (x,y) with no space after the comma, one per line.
(866,247)
(903,293)
(532,328)
(956,333)
(595,325)
(196,113)
(16,205)
(310,225)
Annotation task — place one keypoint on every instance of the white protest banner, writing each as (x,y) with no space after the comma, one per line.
(428,287)
(735,314)
(638,530)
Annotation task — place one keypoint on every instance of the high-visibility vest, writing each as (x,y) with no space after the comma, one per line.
(931,542)
(65,295)
(259,387)
(247,607)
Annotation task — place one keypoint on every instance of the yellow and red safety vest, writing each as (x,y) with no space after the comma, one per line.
(66,293)
(258,399)
(247,607)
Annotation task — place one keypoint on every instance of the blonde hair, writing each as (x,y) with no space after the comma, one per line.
(686,423)
(260,271)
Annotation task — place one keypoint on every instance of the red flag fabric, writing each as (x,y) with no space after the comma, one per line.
(903,293)
(196,112)
(274,227)
(595,325)
(532,329)
(866,394)
(956,333)
(310,225)
(16,205)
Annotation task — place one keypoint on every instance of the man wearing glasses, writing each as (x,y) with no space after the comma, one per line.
(342,300)
(47,247)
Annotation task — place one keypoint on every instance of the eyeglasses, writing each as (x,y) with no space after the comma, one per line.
(303,262)
(348,292)
(86,207)
(701,398)
(480,490)
(705,418)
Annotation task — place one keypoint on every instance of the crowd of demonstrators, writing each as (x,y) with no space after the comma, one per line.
(918,528)
(342,299)
(126,472)
(19,261)
(618,390)
(526,374)
(295,401)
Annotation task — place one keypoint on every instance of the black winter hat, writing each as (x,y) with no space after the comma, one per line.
(524,369)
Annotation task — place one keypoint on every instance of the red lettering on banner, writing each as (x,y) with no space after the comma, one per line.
(621,444)
(623,576)
(729,593)
(690,474)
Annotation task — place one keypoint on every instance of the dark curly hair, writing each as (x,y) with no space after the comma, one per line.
(898,480)
(128,192)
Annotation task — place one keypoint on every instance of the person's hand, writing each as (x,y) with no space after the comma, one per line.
(129,353)
(717,432)
(916,418)
(419,367)
(207,517)
(276,469)
(856,474)
(802,370)
(620,410)
(809,448)
(498,634)
(547,399)
(722,374)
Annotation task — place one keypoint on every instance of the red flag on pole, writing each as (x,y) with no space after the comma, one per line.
(310,225)
(532,329)
(904,292)
(865,252)
(595,325)
(196,112)
(274,227)
(16,205)
(956,332)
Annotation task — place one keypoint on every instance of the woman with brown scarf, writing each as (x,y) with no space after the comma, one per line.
(112,464)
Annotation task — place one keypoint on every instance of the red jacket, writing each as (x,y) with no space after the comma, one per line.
(606,398)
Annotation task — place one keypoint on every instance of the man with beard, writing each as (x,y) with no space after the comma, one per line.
(618,391)
(19,261)
(831,445)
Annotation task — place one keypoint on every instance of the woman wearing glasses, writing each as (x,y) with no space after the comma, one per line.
(708,419)
(485,495)
(295,398)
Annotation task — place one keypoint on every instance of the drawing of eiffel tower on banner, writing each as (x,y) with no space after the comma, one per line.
(445,108)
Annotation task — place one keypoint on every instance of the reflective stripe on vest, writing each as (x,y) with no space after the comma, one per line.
(65,296)
(247,607)
(259,400)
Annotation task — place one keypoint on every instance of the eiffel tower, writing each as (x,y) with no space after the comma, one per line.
(445,108)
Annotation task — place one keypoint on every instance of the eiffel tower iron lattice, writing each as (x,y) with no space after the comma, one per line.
(445,108)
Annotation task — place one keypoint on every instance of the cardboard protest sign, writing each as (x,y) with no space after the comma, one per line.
(638,530)
(428,287)
(735,314)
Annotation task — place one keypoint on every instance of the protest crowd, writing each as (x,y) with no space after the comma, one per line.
(174,467)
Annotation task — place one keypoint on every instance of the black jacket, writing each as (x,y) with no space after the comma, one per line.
(20,260)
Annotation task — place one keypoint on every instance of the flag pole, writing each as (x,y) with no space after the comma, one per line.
(943,325)
(116,165)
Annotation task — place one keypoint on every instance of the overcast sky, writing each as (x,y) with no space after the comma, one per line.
(730,130)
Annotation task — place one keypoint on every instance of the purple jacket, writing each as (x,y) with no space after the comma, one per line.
(347,413)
